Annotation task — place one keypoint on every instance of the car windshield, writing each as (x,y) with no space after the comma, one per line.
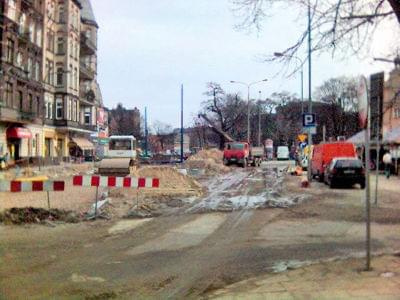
(348,163)
(235,146)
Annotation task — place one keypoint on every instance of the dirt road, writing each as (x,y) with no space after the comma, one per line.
(233,233)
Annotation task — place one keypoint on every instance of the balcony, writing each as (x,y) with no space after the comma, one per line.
(24,36)
(87,45)
(85,72)
(70,124)
(8,114)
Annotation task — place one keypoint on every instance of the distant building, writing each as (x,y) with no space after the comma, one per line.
(177,142)
(122,121)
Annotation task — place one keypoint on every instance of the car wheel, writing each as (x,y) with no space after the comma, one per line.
(331,184)
(226,162)
(362,185)
(244,163)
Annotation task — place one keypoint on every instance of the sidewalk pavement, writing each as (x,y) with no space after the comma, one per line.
(343,279)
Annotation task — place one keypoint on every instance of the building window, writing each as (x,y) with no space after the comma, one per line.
(37,71)
(9,94)
(60,76)
(51,75)
(21,22)
(10,51)
(29,67)
(69,109)
(76,84)
(12,8)
(59,108)
(88,115)
(31,31)
(50,41)
(60,45)
(19,59)
(71,82)
(61,14)
(30,97)
(38,110)
(20,101)
(397,113)
(39,36)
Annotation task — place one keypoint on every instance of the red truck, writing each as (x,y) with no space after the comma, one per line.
(323,154)
(243,154)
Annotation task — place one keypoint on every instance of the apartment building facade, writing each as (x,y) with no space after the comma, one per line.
(391,101)
(21,91)
(50,99)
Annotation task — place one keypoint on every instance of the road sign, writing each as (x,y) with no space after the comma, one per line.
(309,120)
(362,95)
(311,130)
(302,137)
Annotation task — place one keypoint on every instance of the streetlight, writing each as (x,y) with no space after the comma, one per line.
(280,54)
(248,85)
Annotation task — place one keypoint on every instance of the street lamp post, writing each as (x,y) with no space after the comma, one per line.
(248,85)
(279,54)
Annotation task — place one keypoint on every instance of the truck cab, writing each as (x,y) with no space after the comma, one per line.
(237,153)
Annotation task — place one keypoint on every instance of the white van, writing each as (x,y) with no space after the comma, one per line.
(282,153)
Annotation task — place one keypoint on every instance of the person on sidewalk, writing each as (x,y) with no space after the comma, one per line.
(387,160)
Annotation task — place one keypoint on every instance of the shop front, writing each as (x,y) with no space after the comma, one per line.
(80,149)
(16,136)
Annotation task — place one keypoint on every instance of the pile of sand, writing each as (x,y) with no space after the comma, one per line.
(170,178)
(209,160)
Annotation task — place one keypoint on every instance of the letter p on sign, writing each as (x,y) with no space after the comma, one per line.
(309,120)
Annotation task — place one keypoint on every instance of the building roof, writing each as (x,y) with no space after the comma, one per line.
(87,14)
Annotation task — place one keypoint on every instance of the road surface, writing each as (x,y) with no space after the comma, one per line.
(193,251)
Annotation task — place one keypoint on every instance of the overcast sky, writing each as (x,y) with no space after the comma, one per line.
(148,48)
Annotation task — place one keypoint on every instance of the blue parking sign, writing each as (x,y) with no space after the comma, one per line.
(309,120)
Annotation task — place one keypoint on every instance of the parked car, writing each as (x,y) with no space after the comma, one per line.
(323,154)
(282,153)
(345,171)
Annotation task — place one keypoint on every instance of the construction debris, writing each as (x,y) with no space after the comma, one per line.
(31,215)
(209,160)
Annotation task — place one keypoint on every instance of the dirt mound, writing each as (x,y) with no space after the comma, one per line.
(209,160)
(30,215)
(170,178)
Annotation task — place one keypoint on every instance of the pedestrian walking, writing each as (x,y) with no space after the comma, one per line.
(387,160)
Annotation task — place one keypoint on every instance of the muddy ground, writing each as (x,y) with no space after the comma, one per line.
(237,230)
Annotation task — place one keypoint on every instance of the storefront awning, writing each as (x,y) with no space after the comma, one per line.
(83,143)
(19,133)
(358,138)
(392,136)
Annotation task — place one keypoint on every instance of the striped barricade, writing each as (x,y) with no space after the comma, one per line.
(112,181)
(32,186)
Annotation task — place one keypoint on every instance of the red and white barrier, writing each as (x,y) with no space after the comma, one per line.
(112,181)
(32,186)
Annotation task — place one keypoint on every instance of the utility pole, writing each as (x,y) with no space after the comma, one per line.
(248,85)
(248,114)
(259,120)
(182,123)
(146,132)
(309,173)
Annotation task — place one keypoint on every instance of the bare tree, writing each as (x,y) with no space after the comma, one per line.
(341,91)
(163,132)
(228,111)
(336,24)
